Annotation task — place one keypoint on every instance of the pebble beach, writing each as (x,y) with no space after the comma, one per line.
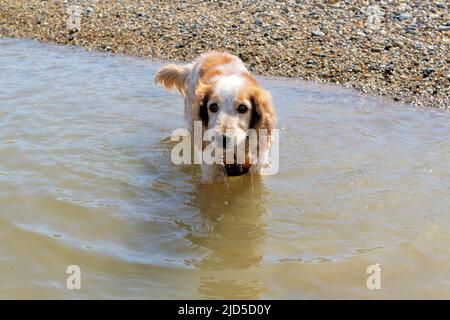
(395,49)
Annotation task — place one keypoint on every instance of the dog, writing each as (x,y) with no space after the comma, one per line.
(221,93)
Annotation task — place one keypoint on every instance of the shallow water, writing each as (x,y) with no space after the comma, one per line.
(86,179)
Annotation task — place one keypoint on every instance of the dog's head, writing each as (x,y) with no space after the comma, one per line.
(229,102)
(231,106)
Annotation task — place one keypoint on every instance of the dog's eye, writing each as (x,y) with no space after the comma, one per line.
(213,107)
(242,108)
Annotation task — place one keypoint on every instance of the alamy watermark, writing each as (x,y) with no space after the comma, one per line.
(374,280)
(374,17)
(75,12)
(73,281)
(74,17)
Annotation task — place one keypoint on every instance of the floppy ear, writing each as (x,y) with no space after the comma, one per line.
(263,114)
(202,94)
(173,76)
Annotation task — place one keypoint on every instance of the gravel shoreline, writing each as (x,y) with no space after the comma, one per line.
(397,49)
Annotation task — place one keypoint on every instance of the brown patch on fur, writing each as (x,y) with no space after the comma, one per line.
(209,66)
(203,94)
(263,114)
(173,76)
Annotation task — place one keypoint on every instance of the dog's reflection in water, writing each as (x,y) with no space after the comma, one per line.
(231,234)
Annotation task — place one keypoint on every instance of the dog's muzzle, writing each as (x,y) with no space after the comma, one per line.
(234,170)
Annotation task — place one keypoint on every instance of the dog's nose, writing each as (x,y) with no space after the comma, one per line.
(226,140)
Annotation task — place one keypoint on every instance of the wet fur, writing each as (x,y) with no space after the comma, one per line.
(202,80)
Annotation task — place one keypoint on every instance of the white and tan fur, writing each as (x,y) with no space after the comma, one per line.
(222,79)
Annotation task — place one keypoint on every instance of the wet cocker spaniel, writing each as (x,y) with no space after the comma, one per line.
(222,96)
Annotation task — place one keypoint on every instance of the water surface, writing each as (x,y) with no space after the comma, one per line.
(86,179)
